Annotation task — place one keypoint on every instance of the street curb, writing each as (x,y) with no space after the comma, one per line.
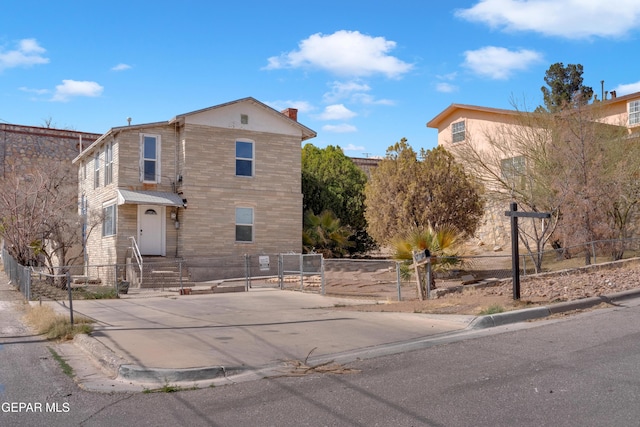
(170,376)
(109,361)
(492,320)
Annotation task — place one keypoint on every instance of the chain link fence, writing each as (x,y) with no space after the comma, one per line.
(380,279)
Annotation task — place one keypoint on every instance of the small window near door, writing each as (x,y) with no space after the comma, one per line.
(109,220)
(244,224)
(150,212)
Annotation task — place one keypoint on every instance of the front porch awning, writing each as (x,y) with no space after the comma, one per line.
(160,198)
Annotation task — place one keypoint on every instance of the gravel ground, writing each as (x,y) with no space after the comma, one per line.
(534,291)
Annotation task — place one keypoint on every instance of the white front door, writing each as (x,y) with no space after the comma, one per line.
(150,229)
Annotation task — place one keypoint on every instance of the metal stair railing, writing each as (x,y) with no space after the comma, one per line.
(137,255)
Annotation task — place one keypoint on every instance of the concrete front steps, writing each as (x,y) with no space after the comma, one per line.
(162,272)
(171,273)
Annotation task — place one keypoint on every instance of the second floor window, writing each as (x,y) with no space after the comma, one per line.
(244,158)
(513,171)
(108,164)
(634,113)
(150,158)
(457,132)
(96,170)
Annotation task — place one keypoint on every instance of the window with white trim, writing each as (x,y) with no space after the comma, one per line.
(634,113)
(149,158)
(109,220)
(244,158)
(96,170)
(457,132)
(244,224)
(513,171)
(108,164)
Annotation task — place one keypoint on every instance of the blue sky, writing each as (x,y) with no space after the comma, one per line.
(363,74)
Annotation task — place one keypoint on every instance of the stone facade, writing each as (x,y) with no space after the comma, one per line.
(196,165)
(22,147)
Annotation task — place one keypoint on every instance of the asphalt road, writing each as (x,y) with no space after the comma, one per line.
(582,370)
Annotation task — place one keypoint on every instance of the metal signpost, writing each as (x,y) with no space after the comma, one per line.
(515,255)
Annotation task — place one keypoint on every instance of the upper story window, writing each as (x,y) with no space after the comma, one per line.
(149,158)
(244,119)
(96,170)
(244,158)
(108,164)
(244,224)
(457,132)
(634,113)
(512,171)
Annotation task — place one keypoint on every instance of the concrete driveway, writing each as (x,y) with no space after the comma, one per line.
(247,330)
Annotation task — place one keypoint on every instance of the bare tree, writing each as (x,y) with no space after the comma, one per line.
(39,219)
(569,163)
(511,160)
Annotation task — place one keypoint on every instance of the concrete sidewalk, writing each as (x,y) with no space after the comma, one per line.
(206,337)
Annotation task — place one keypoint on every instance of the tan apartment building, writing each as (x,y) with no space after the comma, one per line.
(224,180)
(461,124)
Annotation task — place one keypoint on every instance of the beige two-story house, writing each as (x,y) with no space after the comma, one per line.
(461,124)
(224,180)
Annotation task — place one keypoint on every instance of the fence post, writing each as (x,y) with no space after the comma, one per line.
(68,276)
(322,274)
(246,272)
(429,273)
(301,271)
(27,283)
(524,265)
(281,271)
(398,281)
(593,251)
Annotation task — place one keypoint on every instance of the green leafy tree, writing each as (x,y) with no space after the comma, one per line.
(406,193)
(324,234)
(564,87)
(331,181)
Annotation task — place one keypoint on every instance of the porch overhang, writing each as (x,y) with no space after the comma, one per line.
(160,198)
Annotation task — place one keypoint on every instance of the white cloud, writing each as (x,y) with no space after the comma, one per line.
(336,112)
(352,147)
(343,128)
(121,67)
(36,91)
(355,91)
(344,52)
(445,87)
(627,89)
(343,90)
(573,19)
(71,88)
(498,62)
(28,53)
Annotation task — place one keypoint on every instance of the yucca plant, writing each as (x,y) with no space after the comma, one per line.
(444,243)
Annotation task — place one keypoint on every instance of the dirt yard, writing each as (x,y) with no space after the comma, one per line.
(533,292)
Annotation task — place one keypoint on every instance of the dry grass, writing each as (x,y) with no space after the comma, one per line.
(55,326)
